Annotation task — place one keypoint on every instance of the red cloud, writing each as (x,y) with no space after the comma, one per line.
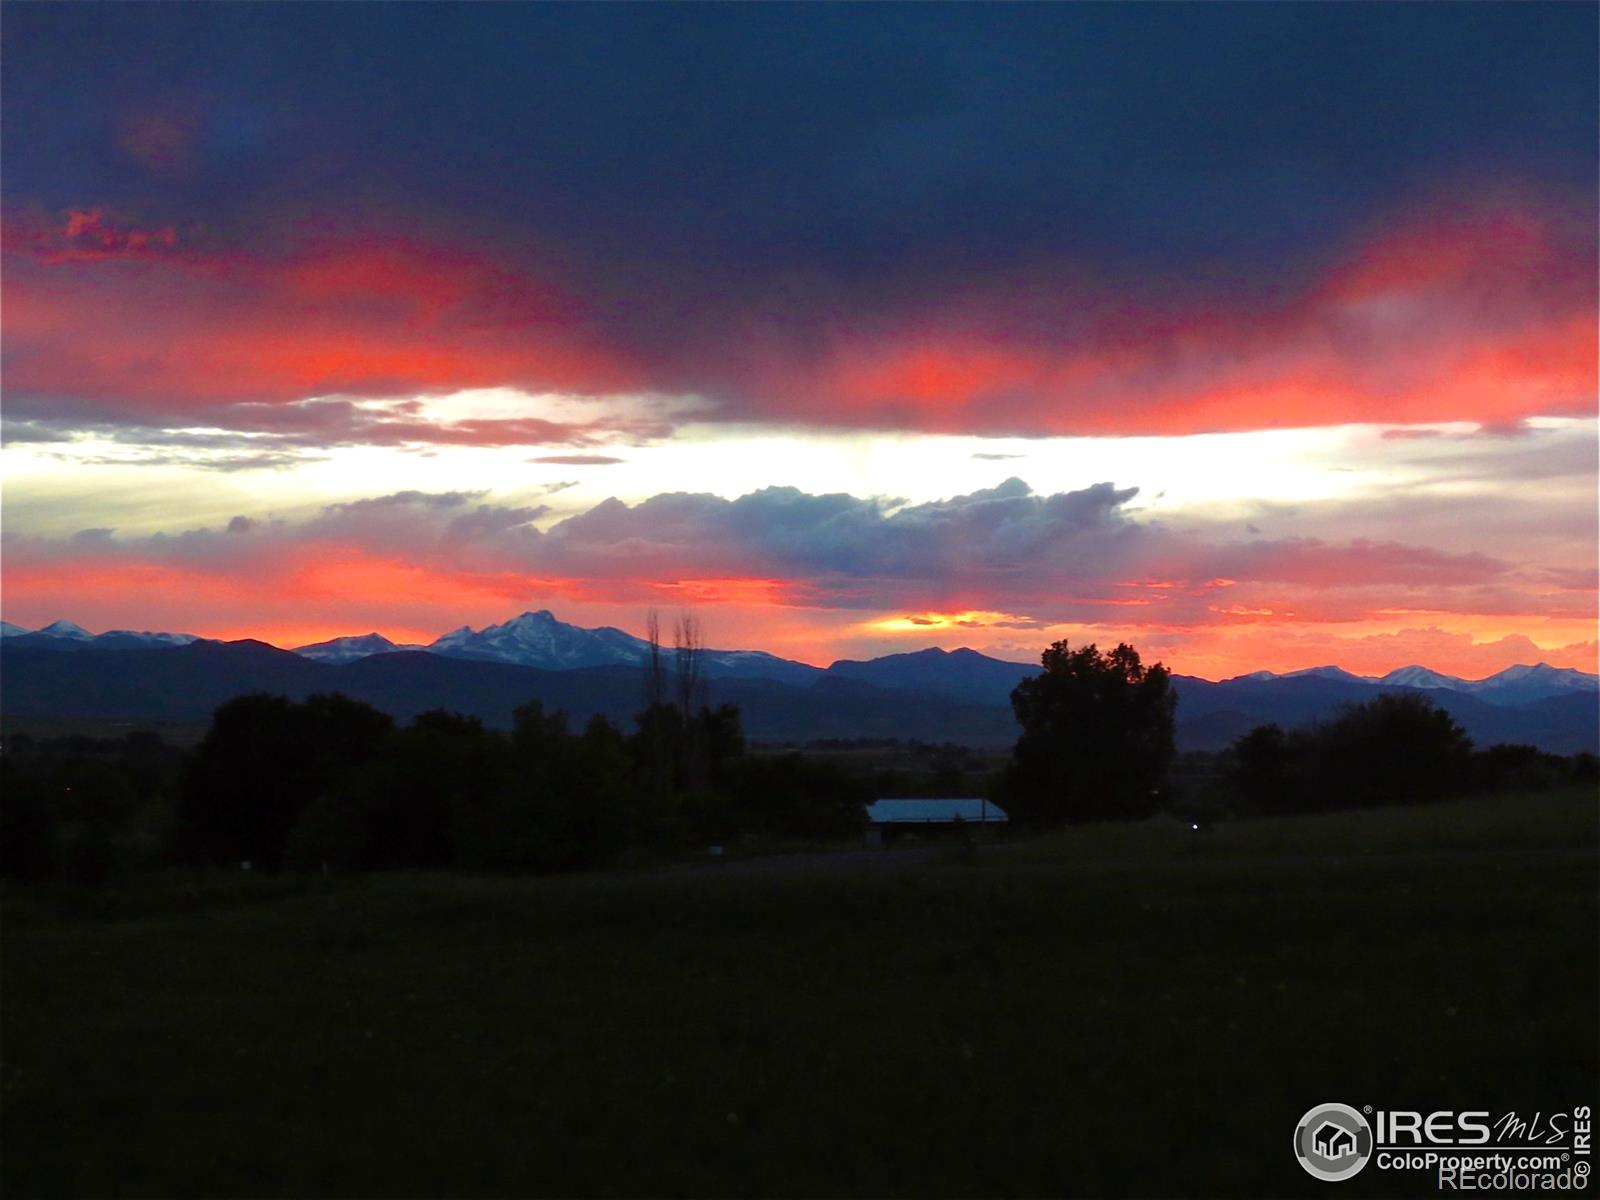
(87,235)
(1487,315)
(127,318)
(1483,313)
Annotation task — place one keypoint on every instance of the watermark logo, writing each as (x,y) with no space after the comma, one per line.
(1333,1141)
(1471,1150)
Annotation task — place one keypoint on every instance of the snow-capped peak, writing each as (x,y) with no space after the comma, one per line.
(1541,677)
(65,629)
(539,639)
(1523,671)
(1420,677)
(1328,672)
(153,639)
(348,649)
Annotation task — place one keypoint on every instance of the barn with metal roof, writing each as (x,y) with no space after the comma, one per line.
(899,816)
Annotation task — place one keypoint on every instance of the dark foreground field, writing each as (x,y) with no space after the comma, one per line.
(1132,1010)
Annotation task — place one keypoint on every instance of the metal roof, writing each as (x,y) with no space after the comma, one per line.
(896,812)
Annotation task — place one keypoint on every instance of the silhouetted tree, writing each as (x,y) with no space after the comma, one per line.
(793,796)
(1258,771)
(398,809)
(683,747)
(1584,767)
(561,802)
(1396,748)
(655,676)
(1096,738)
(688,660)
(1525,768)
(261,764)
(684,765)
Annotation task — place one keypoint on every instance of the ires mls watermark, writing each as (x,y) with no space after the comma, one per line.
(1333,1141)
(1475,1151)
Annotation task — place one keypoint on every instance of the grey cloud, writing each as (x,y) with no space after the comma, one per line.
(266,461)
(407,499)
(1080,555)
(1505,429)
(14,432)
(1489,429)
(486,521)
(1006,528)
(305,426)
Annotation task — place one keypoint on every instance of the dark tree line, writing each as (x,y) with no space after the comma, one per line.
(74,807)
(1397,748)
(1097,744)
(1392,749)
(332,783)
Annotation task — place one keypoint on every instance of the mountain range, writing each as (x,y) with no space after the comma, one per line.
(64,635)
(933,694)
(1514,685)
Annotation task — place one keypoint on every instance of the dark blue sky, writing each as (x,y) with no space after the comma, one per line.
(867,144)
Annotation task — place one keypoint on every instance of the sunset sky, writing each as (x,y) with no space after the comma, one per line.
(1259,336)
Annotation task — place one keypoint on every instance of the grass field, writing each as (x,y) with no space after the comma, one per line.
(1113,1011)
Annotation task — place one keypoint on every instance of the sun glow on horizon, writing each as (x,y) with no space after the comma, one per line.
(935,622)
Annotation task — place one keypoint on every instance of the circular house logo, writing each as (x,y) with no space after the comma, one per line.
(1333,1141)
